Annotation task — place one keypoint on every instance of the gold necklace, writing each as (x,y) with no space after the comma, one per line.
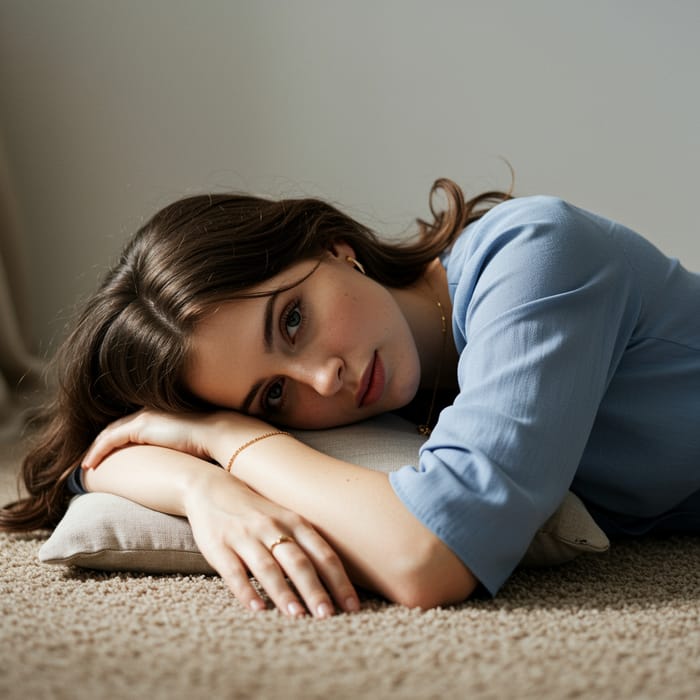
(425,429)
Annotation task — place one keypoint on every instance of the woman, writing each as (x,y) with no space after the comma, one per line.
(572,360)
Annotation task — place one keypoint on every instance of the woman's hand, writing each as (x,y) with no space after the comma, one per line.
(192,433)
(237,529)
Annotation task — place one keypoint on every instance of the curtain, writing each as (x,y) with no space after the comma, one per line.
(21,373)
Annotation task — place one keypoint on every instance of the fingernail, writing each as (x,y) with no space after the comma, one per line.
(324,610)
(352,604)
(295,609)
(256,604)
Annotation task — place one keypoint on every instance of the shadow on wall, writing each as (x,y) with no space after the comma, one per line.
(20,371)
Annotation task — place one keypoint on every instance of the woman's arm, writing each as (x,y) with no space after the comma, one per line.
(233,527)
(382,545)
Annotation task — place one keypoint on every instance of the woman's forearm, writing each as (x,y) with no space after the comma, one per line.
(156,477)
(383,546)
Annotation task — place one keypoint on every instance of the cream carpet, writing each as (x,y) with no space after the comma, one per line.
(620,625)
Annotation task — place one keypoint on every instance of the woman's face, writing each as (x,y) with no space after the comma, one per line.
(333,349)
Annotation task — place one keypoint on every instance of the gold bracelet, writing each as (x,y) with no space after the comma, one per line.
(252,442)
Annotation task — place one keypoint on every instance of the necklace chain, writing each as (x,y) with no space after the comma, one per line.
(425,429)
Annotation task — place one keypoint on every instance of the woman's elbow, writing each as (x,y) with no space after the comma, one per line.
(435,579)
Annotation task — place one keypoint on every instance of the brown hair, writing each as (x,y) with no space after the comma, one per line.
(130,343)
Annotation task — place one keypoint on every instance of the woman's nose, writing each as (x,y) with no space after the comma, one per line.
(324,376)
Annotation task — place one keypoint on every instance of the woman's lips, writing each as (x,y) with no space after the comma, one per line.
(373,380)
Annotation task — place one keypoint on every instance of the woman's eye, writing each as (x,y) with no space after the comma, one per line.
(274,395)
(292,321)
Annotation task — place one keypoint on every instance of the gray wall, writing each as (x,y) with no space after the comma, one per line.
(111,109)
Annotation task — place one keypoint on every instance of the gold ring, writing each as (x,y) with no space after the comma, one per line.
(280,540)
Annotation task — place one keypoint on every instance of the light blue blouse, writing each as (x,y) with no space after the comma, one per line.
(579,368)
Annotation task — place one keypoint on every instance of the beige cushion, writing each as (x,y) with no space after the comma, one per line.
(102,531)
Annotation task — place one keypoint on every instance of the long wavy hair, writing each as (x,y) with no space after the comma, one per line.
(130,344)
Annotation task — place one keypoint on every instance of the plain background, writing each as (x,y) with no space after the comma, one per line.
(109,110)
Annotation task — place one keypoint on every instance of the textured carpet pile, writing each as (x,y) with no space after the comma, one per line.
(621,625)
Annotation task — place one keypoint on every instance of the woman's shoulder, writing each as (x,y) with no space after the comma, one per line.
(531,206)
(520,225)
(534,247)
(544,212)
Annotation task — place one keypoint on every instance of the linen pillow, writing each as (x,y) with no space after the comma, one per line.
(107,532)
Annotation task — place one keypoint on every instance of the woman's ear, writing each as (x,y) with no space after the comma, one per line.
(341,250)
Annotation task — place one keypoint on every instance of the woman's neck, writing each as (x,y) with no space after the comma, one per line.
(419,304)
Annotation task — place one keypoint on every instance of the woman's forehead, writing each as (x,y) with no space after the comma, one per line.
(230,336)
(291,276)
(257,302)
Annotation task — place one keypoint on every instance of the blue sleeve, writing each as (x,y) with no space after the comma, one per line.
(542,310)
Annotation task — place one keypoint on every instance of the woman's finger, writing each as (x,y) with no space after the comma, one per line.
(235,576)
(117,434)
(270,576)
(144,427)
(106,442)
(294,561)
(329,568)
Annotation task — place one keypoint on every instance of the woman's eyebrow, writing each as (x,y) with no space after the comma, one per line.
(267,326)
(268,320)
(248,400)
